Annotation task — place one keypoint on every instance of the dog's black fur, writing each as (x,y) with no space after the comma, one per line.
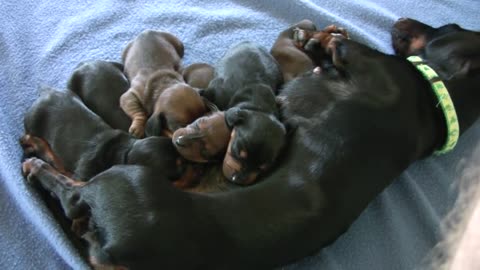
(99,84)
(244,65)
(85,144)
(358,127)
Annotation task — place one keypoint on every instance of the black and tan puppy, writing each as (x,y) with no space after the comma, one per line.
(198,75)
(100,84)
(63,131)
(158,101)
(289,52)
(357,129)
(244,87)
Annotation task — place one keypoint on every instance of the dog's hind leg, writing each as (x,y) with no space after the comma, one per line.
(132,106)
(38,147)
(60,186)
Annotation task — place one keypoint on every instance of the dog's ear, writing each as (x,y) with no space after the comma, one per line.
(155,125)
(234,116)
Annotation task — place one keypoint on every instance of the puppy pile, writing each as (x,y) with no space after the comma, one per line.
(314,130)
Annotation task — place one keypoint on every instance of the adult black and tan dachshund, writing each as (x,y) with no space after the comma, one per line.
(359,123)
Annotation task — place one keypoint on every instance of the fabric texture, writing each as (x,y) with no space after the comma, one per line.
(42,41)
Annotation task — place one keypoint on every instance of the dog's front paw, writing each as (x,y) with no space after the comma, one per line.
(300,37)
(335,48)
(30,168)
(334,30)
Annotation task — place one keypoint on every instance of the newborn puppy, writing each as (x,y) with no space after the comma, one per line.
(158,91)
(289,55)
(246,79)
(99,84)
(198,75)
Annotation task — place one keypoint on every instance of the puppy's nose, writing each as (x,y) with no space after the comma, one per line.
(240,178)
(236,178)
(180,141)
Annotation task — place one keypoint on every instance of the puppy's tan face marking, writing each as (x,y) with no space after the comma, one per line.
(233,167)
(204,139)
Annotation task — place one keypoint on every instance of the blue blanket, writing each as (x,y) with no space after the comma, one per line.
(42,41)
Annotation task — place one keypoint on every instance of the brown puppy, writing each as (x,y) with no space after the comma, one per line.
(208,138)
(157,91)
(289,55)
(198,75)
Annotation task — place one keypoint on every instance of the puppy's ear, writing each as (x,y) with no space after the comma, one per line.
(155,125)
(234,116)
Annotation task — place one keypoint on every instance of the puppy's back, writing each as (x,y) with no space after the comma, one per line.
(65,123)
(152,50)
(100,84)
(54,108)
(249,63)
(242,65)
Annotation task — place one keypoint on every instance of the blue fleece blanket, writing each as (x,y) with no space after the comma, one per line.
(42,41)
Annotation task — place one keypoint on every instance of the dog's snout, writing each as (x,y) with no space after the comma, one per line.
(244,177)
(181,141)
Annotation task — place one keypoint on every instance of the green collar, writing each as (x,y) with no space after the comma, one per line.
(445,102)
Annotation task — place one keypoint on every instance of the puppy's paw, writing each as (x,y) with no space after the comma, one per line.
(300,37)
(317,46)
(335,48)
(30,168)
(336,31)
(137,131)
